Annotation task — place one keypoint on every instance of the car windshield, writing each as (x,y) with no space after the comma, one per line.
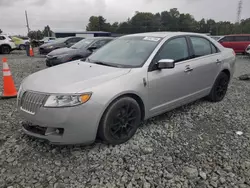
(126,51)
(60,40)
(82,44)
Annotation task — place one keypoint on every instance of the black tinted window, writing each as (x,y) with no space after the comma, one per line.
(2,37)
(242,38)
(100,43)
(176,49)
(77,39)
(201,46)
(229,39)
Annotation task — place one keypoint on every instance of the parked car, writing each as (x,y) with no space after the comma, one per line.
(46,40)
(132,78)
(20,43)
(59,43)
(248,49)
(238,42)
(6,44)
(80,50)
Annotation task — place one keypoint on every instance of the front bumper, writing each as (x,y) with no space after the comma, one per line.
(71,125)
(248,51)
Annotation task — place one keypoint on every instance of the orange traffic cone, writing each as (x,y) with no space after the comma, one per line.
(31,52)
(9,90)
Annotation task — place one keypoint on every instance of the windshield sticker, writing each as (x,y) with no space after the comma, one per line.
(155,39)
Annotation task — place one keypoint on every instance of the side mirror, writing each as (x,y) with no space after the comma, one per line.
(166,64)
(92,48)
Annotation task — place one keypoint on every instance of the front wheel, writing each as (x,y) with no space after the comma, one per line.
(5,49)
(22,47)
(219,89)
(120,121)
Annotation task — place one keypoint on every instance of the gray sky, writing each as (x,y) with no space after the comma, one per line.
(74,14)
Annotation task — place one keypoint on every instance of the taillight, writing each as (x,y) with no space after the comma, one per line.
(234,53)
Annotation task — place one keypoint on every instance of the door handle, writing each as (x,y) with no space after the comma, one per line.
(218,61)
(188,69)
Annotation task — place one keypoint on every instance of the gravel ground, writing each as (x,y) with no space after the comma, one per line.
(192,146)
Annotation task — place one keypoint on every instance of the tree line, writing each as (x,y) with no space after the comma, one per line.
(171,20)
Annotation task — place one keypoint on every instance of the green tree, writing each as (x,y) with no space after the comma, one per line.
(47,31)
(35,35)
(171,20)
(98,23)
(143,22)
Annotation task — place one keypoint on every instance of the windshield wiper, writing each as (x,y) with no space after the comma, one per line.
(103,63)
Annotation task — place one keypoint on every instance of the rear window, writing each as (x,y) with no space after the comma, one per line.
(235,39)
(242,38)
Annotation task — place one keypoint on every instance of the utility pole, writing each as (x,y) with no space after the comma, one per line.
(239,10)
(27,21)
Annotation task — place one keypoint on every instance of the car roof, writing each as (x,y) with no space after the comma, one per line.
(238,35)
(100,38)
(164,34)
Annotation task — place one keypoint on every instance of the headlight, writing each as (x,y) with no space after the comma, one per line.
(67,100)
(50,47)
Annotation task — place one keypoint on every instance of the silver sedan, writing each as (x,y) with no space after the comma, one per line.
(131,79)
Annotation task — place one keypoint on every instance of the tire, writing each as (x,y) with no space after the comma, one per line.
(5,49)
(219,88)
(22,47)
(120,121)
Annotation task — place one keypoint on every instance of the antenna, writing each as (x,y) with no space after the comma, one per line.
(27,21)
(239,10)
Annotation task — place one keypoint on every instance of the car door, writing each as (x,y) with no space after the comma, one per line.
(168,88)
(206,64)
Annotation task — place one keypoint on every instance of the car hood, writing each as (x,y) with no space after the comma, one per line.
(74,77)
(54,44)
(62,51)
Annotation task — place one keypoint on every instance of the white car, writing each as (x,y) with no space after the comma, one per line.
(6,44)
(248,49)
(47,40)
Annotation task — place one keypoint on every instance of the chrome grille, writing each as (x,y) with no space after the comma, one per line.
(30,102)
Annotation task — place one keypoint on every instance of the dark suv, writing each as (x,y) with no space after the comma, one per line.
(59,43)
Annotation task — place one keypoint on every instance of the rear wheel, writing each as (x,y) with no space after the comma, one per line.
(4,49)
(120,121)
(22,47)
(219,89)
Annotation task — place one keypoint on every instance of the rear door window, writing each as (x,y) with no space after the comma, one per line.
(241,38)
(201,46)
(228,39)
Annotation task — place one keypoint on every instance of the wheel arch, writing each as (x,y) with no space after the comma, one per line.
(132,95)
(227,72)
(5,44)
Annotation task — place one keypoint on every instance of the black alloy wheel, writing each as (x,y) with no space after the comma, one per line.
(220,87)
(120,121)
(5,49)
